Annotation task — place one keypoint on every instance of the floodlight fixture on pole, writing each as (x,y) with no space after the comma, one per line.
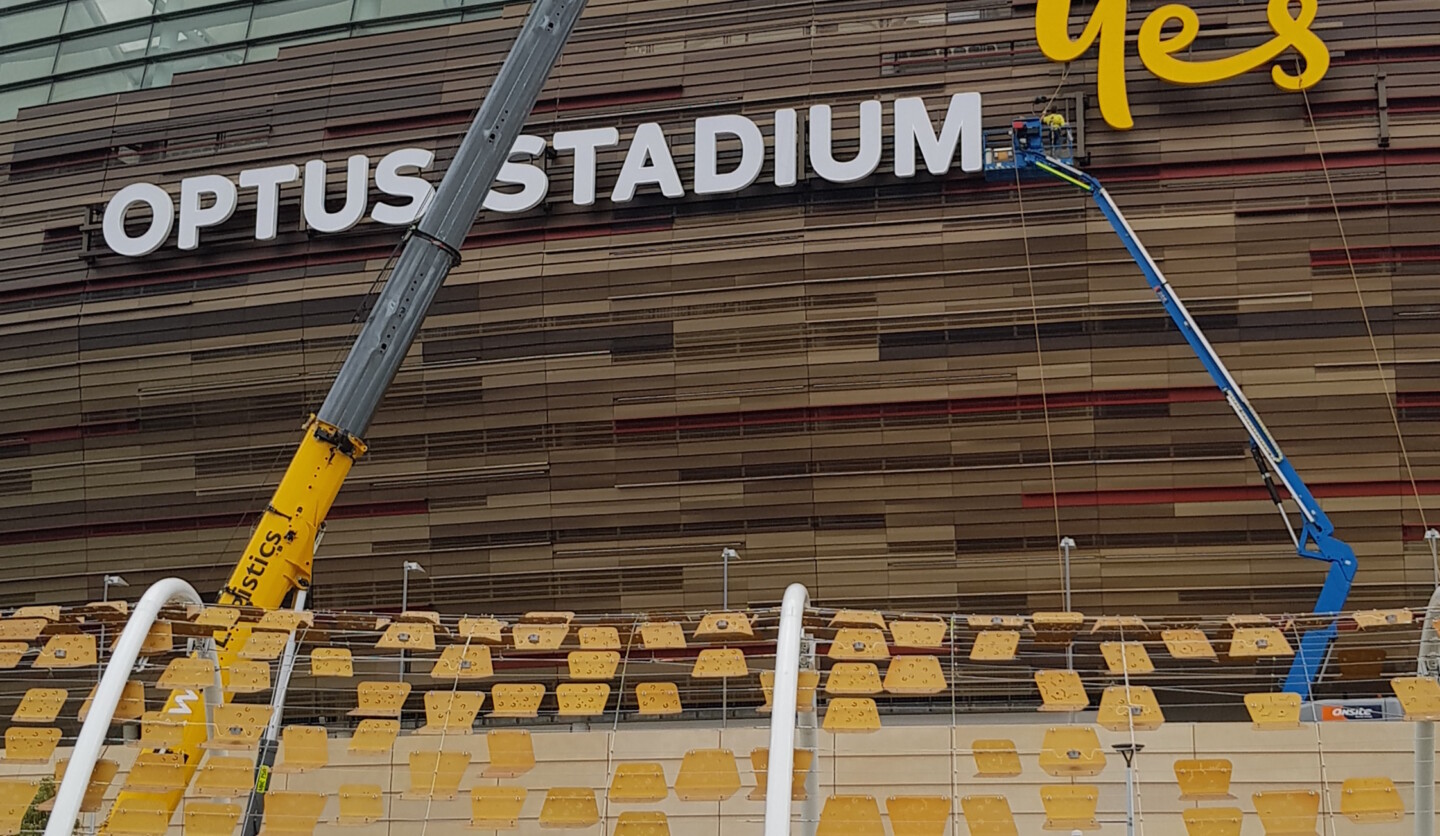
(1128,751)
(1066,544)
(727,554)
(109,581)
(1433,538)
(407,567)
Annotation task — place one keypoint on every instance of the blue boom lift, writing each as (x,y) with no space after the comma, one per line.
(1045,146)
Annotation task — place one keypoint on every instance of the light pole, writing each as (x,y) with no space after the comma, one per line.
(1128,751)
(407,567)
(109,581)
(1066,544)
(726,555)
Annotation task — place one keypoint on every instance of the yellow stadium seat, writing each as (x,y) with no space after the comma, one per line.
(915,676)
(248,677)
(1206,779)
(159,730)
(373,737)
(800,765)
(1187,644)
(331,661)
(598,638)
(285,621)
(156,772)
(40,706)
(264,646)
(1129,624)
(719,663)
(1288,813)
(1056,628)
(724,626)
(635,783)
(24,745)
(1126,658)
(22,629)
(995,758)
(995,622)
(158,641)
(1360,663)
(380,699)
(1061,691)
(1257,642)
(859,644)
(101,776)
(546,617)
(858,618)
(192,672)
(496,808)
(512,753)
(1070,807)
(11,653)
(662,635)
(918,815)
(988,815)
(212,819)
(515,700)
(1213,821)
(417,636)
(853,679)
(224,777)
(462,662)
(805,686)
(1370,800)
(850,815)
(238,727)
(138,815)
(292,812)
(451,712)
(851,714)
(488,631)
(636,823)
(592,665)
(436,775)
(74,650)
(657,699)
(15,798)
(569,807)
(581,699)
(924,635)
(221,618)
(1419,696)
(303,748)
(527,637)
(707,775)
(130,707)
(1274,711)
(1383,619)
(995,646)
(1071,752)
(360,804)
(1122,709)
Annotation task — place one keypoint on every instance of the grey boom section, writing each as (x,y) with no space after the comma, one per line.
(433,248)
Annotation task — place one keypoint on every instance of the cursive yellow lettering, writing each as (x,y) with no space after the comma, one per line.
(1158,50)
(1107,25)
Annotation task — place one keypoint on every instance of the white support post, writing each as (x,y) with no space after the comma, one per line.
(1427,664)
(782,712)
(107,697)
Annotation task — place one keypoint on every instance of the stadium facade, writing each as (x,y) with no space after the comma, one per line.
(898,383)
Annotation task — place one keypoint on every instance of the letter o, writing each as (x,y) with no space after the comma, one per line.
(162,210)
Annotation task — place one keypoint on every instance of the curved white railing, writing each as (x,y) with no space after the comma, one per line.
(782,710)
(107,696)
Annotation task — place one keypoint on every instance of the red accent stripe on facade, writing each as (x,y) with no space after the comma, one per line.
(1416,253)
(1241,493)
(913,409)
(160,525)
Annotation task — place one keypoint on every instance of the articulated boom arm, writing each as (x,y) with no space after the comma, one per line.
(278,559)
(1316,537)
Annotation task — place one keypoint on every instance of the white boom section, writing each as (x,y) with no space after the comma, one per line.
(782,710)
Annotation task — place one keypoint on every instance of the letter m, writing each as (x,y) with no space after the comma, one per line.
(962,127)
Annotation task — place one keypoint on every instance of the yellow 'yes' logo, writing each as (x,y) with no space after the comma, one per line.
(1157,50)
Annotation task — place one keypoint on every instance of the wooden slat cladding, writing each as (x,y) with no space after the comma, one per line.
(839,380)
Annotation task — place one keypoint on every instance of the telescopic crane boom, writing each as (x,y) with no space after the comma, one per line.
(278,559)
(1034,143)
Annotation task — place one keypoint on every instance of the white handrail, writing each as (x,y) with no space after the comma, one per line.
(107,697)
(782,710)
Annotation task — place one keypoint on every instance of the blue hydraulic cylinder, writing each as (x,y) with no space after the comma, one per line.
(1315,539)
